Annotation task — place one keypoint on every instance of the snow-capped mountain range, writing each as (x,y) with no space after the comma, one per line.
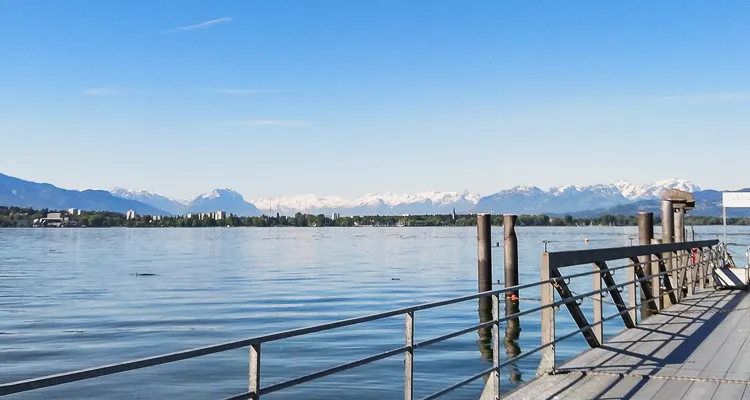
(520,200)
(621,197)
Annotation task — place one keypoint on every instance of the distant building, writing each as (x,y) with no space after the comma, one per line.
(220,215)
(130,214)
(52,219)
(335,216)
(190,215)
(74,211)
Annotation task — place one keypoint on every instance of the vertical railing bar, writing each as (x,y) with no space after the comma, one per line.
(701,270)
(547,364)
(254,383)
(632,290)
(496,345)
(409,357)
(598,327)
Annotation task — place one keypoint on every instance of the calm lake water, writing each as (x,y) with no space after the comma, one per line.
(70,299)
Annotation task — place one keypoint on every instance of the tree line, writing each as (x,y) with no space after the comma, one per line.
(23,216)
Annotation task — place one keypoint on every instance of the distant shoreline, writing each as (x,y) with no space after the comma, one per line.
(20,217)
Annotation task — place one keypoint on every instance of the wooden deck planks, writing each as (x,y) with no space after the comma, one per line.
(688,342)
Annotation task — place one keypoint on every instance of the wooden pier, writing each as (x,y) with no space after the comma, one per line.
(697,349)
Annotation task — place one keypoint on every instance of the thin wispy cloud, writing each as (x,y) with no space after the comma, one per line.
(103,91)
(202,25)
(270,122)
(701,98)
(243,91)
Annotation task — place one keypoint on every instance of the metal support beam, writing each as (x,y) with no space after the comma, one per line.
(667,282)
(574,308)
(615,295)
(645,236)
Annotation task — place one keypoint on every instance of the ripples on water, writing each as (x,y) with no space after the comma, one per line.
(71,299)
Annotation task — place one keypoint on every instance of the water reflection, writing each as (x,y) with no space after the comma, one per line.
(485,334)
(512,335)
(510,341)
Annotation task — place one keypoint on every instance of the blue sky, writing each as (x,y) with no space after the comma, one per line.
(349,97)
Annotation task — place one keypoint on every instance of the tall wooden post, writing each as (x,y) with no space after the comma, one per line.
(513,325)
(645,235)
(484,252)
(484,284)
(511,253)
(667,236)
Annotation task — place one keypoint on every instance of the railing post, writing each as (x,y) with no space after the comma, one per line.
(701,269)
(496,345)
(409,358)
(711,265)
(484,252)
(254,384)
(632,287)
(667,236)
(597,327)
(656,281)
(645,236)
(547,364)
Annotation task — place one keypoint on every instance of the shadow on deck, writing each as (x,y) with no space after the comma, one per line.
(693,350)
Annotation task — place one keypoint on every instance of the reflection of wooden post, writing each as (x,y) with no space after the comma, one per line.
(512,333)
(645,235)
(485,334)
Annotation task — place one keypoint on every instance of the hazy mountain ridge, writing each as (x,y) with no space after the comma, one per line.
(22,193)
(621,197)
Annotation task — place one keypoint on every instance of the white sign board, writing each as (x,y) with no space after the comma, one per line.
(735,199)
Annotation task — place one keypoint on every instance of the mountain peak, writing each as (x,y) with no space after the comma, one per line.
(216,193)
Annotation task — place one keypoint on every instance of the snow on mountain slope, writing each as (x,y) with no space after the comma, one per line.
(519,199)
(372,203)
(153,199)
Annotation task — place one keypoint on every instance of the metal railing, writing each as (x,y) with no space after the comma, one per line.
(255,345)
(664,272)
(659,256)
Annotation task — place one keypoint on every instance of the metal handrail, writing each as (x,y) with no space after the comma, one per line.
(710,253)
(554,260)
(95,372)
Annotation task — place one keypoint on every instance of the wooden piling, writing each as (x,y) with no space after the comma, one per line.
(667,236)
(645,236)
(511,254)
(484,252)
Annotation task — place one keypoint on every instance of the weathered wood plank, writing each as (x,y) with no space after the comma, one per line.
(727,391)
(701,391)
(705,336)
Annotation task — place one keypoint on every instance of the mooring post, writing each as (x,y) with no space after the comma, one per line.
(667,236)
(513,325)
(645,236)
(511,255)
(484,252)
(484,278)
